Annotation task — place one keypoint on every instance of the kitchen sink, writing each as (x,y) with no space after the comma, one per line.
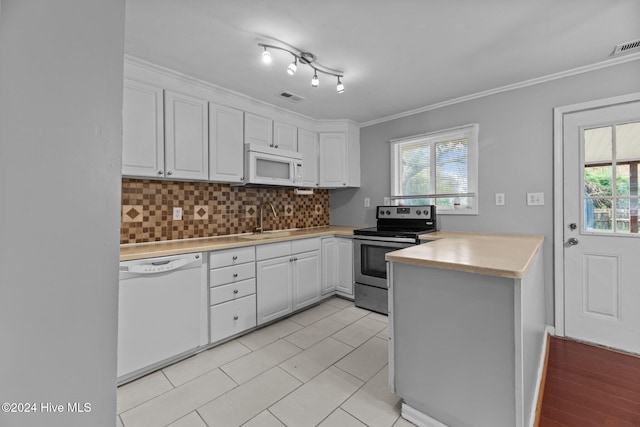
(267,235)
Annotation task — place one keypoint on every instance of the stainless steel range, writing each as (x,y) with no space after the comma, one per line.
(398,227)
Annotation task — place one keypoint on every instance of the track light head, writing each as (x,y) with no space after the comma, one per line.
(340,86)
(266,56)
(291,69)
(315,81)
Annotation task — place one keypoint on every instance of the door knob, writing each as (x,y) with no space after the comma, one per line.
(572,241)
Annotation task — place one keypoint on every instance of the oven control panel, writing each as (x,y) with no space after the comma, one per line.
(406,212)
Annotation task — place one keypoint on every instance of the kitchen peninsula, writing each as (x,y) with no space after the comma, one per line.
(467,317)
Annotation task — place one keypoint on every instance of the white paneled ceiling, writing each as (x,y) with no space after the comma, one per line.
(397,56)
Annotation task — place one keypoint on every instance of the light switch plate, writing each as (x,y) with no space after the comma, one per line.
(177,214)
(535,199)
(499,199)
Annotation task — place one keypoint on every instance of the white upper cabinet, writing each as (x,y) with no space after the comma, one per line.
(333,159)
(226,152)
(186,137)
(339,159)
(143,130)
(258,130)
(308,147)
(285,136)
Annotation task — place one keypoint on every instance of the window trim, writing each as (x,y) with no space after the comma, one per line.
(470,132)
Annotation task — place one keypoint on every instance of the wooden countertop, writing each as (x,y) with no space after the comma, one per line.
(503,255)
(175,247)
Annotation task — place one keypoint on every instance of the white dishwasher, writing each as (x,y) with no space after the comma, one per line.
(162,312)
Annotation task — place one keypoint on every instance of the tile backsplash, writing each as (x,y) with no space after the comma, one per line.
(211,209)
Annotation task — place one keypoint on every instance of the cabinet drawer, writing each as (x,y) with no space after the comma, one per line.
(305,245)
(229,257)
(232,317)
(233,274)
(273,250)
(233,291)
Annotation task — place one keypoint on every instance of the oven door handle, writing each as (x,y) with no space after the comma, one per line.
(385,239)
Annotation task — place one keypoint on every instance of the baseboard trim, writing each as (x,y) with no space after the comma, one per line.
(534,417)
(418,418)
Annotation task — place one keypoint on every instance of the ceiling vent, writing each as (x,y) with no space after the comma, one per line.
(627,47)
(291,97)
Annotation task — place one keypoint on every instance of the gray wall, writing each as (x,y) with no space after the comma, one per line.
(515,155)
(60,147)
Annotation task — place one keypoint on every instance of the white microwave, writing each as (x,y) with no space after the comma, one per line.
(272,166)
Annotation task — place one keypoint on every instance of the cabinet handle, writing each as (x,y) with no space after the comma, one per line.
(169,173)
(271,145)
(235,317)
(235,257)
(290,259)
(235,275)
(235,291)
(295,259)
(160,172)
(276,145)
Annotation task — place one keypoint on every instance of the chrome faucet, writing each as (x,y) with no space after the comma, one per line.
(259,228)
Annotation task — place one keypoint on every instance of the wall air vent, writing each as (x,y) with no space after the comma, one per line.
(627,47)
(291,97)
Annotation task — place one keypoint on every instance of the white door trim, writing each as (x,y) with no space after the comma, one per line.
(558,194)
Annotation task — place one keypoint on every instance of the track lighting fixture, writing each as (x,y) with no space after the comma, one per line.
(266,56)
(291,69)
(306,58)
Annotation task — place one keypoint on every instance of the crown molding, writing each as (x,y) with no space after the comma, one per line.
(526,83)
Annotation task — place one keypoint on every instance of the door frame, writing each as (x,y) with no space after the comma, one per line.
(558,194)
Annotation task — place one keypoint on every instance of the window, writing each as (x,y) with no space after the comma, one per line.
(438,168)
(611,156)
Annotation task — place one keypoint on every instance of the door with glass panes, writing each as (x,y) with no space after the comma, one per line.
(601,239)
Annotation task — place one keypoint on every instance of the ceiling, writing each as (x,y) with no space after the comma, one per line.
(396,56)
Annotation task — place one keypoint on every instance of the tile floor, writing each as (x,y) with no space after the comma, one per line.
(325,366)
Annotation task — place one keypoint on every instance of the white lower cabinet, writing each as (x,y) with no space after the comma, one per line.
(288,282)
(232,292)
(232,317)
(337,266)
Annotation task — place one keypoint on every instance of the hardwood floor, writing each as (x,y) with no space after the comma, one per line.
(588,386)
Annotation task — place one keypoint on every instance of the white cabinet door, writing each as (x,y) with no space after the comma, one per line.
(306,279)
(143,130)
(274,288)
(258,130)
(285,136)
(186,137)
(329,270)
(333,160)
(344,270)
(226,139)
(308,147)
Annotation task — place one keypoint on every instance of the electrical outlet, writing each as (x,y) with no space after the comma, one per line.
(177,214)
(367,202)
(499,199)
(535,199)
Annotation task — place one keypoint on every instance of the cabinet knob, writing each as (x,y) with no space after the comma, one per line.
(160,172)
(235,317)
(169,173)
(290,259)
(235,257)
(235,275)
(344,183)
(271,145)
(235,291)
(295,259)
(276,145)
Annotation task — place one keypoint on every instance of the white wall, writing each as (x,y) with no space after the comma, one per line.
(515,155)
(60,149)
